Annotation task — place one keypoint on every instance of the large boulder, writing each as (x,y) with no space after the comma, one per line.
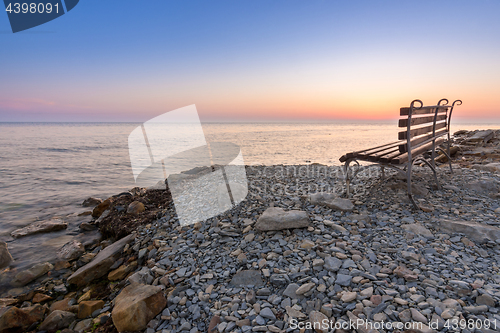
(136,305)
(477,232)
(101,263)
(275,218)
(330,200)
(40,227)
(24,277)
(5,257)
(13,319)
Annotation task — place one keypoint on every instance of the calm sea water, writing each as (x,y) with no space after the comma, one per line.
(47,170)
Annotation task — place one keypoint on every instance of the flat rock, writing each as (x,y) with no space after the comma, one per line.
(482,136)
(101,263)
(490,167)
(24,277)
(136,305)
(290,291)
(40,227)
(275,218)
(418,229)
(246,278)
(477,232)
(332,264)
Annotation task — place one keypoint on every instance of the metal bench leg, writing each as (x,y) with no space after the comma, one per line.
(346,177)
(408,181)
(433,170)
(449,156)
(382,168)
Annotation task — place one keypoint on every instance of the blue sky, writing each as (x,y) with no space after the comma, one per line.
(131,60)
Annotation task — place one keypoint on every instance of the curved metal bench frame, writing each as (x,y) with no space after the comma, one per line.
(407,167)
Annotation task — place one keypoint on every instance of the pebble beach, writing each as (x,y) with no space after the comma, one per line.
(296,255)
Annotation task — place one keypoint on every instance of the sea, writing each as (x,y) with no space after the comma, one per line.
(48,169)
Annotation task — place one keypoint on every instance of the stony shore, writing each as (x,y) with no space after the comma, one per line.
(295,254)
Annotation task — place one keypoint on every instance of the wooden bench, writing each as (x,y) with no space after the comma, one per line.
(425,129)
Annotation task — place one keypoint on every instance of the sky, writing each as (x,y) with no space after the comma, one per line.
(252,60)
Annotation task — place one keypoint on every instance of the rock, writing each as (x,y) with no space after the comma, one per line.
(476,309)
(417,316)
(335,226)
(418,229)
(100,208)
(24,277)
(40,227)
(332,264)
(485,299)
(293,313)
(136,208)
(348,296)
(213,324)
(91,202)
(368,292)
(246,278)
(481,136)
(143,276)
(83,326)
(330,200)
(63,305)
(71,250)
(405,315)
(483,186)
(57,320)
(290,291)
(267,313)
(86,308)
(477,232)
(304,288)
(318,319)
(307,244)
(136,305)
(343,280)
(101,263)
(275,218)
(13,319)
(5,257)
(361,328)
(40,298)
(490,167)
(120,273)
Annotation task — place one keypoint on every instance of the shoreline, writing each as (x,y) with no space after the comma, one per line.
(377,260)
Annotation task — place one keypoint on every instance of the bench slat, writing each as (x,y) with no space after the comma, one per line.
(356,153)
(424,110)
(421,120)
(420,131)
(403,147)
(403,158)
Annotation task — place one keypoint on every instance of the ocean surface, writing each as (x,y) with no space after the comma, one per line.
(48,169)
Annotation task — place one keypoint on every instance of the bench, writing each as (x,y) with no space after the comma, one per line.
(425,128)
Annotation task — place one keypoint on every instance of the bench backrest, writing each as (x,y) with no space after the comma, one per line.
(424,124)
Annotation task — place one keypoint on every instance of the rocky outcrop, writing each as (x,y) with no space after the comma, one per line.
(136,305)
(477,232)
(275,218)
(40,227)
(101,264)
